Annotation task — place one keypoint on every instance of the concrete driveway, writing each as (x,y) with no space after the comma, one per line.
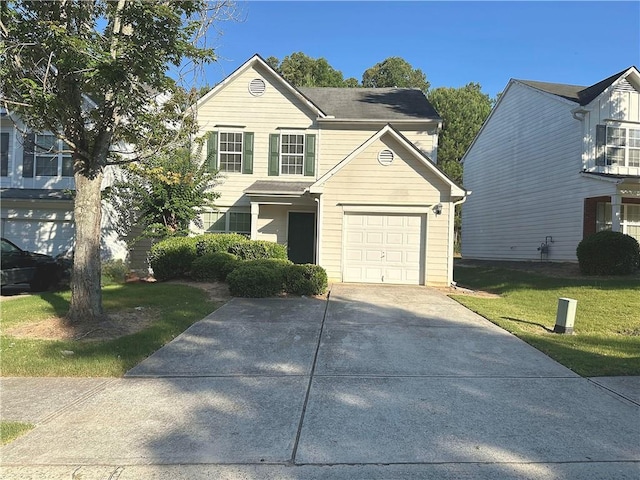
(378,382)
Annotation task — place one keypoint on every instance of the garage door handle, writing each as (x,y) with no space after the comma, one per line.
(381,254)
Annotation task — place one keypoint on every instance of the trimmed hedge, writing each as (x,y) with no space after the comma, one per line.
(257,249)
(214,266)
(608,253)
(172,257)
(305,279)
(218,242)
(258,278)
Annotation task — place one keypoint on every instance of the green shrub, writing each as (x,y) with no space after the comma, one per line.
(115,271)
(214,266)
(608,253)
(172,258)
(255,280)
(257,249)
(305,279)
(218,242)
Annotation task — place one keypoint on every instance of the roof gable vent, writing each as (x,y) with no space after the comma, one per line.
(257,87)
(385,157)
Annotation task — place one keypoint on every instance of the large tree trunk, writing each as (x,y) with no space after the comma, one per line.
(86,294)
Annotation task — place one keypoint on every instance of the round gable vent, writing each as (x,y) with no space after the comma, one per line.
(257,87)
(385,157)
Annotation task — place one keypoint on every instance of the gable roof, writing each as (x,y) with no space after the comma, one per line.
(456,190)
(578,93)
(372,103)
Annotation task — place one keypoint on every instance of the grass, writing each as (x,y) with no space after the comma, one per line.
(607,324)
(178,307)
(9,431)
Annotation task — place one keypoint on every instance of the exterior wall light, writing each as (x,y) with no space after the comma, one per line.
(437,209)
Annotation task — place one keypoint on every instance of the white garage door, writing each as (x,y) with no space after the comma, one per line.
(42,236)
(384,248)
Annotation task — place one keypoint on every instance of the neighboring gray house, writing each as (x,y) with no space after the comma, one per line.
(552,164)
(36,184)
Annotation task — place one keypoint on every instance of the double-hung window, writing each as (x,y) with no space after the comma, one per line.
(292,154)
(230,151)
(50,158)
(618,145)
(227,222)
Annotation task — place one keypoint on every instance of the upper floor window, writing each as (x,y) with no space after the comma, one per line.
(50,158)
(292,154)
(618,146)
(4,154)
(230,152)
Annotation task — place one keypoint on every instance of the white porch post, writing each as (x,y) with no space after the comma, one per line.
(255,210)
(616,207)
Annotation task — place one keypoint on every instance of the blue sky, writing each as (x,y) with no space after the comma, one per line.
(453,42)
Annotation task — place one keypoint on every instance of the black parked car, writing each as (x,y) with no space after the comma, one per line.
(40,271)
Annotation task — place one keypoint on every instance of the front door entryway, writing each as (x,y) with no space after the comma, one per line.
(301,236)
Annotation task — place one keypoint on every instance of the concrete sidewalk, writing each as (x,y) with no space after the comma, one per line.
(381,382)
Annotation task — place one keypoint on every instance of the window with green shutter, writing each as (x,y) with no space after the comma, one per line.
(212,151)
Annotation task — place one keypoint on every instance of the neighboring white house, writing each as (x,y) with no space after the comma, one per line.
(551,165)
(346,178)
(36,184)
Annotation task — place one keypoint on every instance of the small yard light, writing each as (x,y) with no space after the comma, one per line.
(566,315)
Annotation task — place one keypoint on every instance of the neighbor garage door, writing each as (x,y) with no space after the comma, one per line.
(41,236)
(384,248)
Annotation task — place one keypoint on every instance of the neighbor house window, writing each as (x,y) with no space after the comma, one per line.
(50,159)
(629,218)
(230,152)
(622,147)
(227,222)
(291,154)
(4,154)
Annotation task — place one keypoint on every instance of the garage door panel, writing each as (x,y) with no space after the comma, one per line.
(390,246)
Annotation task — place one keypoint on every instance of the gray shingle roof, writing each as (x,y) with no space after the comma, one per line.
(576,93)
(277,187)
(372,103)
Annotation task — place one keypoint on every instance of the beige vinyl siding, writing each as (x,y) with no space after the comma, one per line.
(524,174)
(406,182)
(233,108)
(272,223)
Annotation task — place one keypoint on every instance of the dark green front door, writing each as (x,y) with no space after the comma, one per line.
(301,237)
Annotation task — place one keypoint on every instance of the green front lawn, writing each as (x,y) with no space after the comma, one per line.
(607,325)
(9,431)
(172,309)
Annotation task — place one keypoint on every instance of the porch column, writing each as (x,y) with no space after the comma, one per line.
(255,210)
(616,208)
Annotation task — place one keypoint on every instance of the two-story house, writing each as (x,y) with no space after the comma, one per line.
(36,193)
(552,164)
(346,178)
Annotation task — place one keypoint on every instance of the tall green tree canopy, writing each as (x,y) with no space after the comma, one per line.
(395,72)
(463,111)
(91,71)
(303,71)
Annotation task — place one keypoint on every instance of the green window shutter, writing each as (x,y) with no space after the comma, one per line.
(274,154)
(310,155)
(212,151)
(601,142)
(28,152)
(247,154)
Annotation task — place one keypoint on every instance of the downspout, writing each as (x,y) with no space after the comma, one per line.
(451,230)
(319,210)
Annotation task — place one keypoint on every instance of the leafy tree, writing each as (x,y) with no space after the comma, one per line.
(90,71)
(395,72)
(163,195)
(303,71)
(351,82)
(463,111)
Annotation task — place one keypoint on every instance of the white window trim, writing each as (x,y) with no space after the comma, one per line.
(625,148)
(220,152)
(302,155)
(58,153)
